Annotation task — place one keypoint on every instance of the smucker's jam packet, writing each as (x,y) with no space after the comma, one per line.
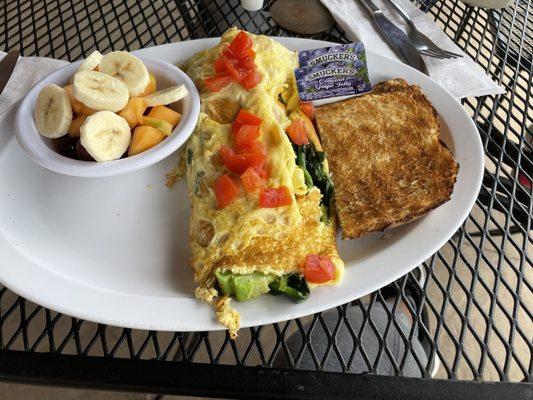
(328,72)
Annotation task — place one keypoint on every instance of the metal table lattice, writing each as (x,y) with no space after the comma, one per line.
(478,290)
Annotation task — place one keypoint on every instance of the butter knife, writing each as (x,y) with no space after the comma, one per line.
(396,38)
(7,66)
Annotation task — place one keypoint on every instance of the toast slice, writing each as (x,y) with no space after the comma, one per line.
(387,163)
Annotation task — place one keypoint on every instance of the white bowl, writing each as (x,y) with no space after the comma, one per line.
(41,150)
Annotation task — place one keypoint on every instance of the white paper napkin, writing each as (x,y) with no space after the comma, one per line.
(27,73)
(461,76)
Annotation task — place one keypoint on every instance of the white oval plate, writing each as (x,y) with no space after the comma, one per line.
(116,250)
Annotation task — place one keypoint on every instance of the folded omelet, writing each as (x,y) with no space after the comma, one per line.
(244,250)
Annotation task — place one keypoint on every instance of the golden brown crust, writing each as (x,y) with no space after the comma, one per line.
(387,162)
(284,255)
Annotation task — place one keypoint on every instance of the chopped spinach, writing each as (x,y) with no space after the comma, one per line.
(308,179)
(301,162)
(300,156)
(189,156)
(292,285)
(312,162)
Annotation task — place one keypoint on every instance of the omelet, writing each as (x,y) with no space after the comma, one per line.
(243,250)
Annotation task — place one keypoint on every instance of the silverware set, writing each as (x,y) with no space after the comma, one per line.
(408,46)
(423,44)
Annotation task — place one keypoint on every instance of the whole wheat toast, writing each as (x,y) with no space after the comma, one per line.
(387,163)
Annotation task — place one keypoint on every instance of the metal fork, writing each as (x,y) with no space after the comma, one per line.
(423,44)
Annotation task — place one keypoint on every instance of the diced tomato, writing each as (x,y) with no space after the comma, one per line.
(240,74)
(240,44)
(220,64)
(239,163)
(248,61)
(233,68)
(275,197)
(250,53)
(318,269)
(217,82)
(226,189)
(263,171)
(229,62)
(246,136)
(244,58)
(252,79)
(246,117)
(254,148)
(297,132)
(228,53)
(236,126)
(236,62)
(251,180)
(308,109)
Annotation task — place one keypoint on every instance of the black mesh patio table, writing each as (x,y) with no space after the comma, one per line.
(478,290)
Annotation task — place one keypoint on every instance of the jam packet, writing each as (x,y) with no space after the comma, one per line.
(328,72)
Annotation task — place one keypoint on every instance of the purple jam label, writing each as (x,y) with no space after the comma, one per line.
(332,72)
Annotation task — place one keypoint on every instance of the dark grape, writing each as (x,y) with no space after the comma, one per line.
(55,143)
(66,146)
(81,153)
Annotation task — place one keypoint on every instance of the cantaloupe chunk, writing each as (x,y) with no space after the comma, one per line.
(165,113)
(84,110)
(144,138)
(74,129)
(133,111)
(151,87)
(74,103)
(77,106)
(161,124)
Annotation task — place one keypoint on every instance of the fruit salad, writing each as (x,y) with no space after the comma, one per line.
(110,110)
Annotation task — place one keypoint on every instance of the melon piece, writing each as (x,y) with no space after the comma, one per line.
(74,129)
(144,138)
(84,110)
(165,113)
(133,111)
(161,124)
(77,106)
(74,103)
(151,87)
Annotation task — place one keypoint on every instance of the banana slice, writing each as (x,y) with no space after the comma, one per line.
(166,96)
(53,113)
(91,62)
(105,135)
(128,68)
(100,91)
